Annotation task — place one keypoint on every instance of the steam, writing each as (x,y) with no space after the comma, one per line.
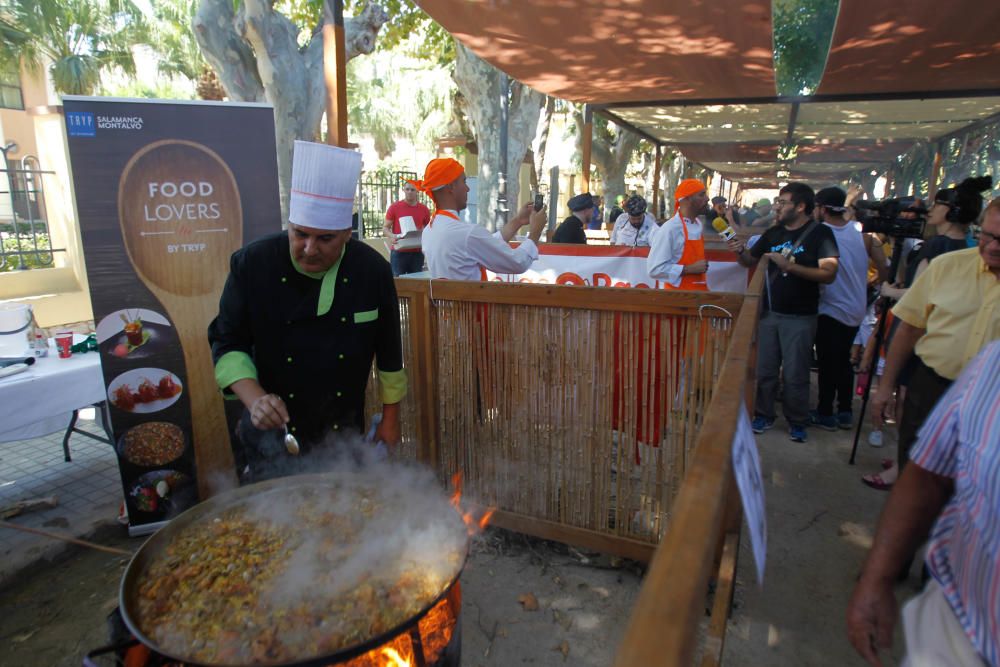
(360,522)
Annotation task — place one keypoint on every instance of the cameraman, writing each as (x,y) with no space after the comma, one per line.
(802,254)
(953,211)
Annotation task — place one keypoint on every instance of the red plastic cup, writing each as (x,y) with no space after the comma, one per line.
(64,341)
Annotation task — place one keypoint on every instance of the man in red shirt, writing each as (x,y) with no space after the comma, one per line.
(402,220)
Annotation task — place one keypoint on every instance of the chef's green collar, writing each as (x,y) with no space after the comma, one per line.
(329,278)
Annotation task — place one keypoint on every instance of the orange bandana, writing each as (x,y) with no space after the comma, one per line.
(439,171)
(687,187)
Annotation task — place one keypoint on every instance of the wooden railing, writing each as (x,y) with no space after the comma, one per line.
(703,539)
(598,417)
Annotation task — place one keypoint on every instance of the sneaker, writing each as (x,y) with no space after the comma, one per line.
(875,439)
(761,424)
(825,422)
(845,420)
(797,433)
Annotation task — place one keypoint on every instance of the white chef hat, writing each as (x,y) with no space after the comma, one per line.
(324,182)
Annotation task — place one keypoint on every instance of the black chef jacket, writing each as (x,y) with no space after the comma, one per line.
(570,231)
(318,364)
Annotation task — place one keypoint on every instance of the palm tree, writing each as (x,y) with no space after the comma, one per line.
(77,39)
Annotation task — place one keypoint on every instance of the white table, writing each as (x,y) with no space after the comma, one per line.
(47,397)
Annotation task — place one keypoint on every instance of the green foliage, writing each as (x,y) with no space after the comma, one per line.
(80,38)
(406,21)
(32,259)
(165,89)
(177,50)
(395,96)
(802,33)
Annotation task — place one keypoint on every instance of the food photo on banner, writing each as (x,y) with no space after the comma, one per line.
(165,192)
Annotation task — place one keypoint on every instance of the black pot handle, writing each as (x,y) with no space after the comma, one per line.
(104,650)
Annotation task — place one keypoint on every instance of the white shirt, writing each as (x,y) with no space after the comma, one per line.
(666,245)
(845,299)
(623,233)
(458,250)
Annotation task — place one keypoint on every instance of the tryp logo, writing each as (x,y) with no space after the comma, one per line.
(80,124)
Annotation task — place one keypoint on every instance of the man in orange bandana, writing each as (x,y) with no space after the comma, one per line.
(676,248)
(458,250)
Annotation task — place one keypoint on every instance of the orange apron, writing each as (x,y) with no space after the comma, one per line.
(649,430)
(694,251)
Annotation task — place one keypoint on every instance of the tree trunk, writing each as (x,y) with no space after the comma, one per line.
(611,154)
(542,140)
(255,53)
(479,82)
(674,170)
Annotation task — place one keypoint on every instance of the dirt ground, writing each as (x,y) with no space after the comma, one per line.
(820,523)
(55,613)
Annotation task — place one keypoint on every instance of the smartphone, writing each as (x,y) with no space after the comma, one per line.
(539,201)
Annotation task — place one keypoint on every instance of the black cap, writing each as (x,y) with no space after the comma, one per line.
(581,202)
(718,200)
(832,198)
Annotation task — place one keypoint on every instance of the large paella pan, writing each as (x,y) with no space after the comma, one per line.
(304,570)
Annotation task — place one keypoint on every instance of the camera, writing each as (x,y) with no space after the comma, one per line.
(902,217)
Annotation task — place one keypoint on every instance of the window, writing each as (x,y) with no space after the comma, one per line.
(10,88)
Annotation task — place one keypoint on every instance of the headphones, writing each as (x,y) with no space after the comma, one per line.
(949,198)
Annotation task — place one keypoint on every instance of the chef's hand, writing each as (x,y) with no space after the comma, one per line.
(701,266)
(268,412)
(537,221)
(388,429)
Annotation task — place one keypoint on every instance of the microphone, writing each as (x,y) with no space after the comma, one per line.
(724,229)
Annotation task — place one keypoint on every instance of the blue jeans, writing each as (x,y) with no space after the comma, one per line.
(406,262)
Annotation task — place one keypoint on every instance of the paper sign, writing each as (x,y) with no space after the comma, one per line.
(407,225)
(746,467)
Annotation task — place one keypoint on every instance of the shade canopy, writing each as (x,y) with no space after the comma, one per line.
(601,51)
(700,76)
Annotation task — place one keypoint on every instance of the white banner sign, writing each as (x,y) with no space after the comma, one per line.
(610,266)
(746,467)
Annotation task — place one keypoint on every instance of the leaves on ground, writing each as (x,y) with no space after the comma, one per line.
(563,648)
(528,601)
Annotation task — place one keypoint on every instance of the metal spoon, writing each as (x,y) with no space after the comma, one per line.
(291,444)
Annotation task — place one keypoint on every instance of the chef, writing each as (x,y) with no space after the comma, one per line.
(302,315)
(677,249)
(459,250)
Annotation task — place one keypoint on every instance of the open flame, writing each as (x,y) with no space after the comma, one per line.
(438,626)
(472,524)
(436,630)
(395,660)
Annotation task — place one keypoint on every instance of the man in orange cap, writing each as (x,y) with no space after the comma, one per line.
(676,248)
(459,250)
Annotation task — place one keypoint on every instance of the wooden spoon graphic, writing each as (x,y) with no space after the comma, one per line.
(181,219)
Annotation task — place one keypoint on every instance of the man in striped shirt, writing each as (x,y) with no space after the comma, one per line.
(955,479)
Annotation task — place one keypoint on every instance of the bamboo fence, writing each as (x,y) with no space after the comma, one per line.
(571,410)
(598,417)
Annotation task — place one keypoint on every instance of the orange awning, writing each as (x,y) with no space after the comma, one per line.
(595,50)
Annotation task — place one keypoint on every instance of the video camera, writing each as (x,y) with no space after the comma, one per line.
(887,217)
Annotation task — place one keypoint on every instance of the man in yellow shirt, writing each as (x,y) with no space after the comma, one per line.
(950,313)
